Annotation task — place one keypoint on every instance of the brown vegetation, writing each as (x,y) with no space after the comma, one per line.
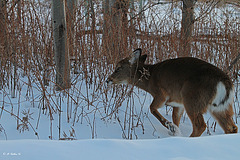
(27,57)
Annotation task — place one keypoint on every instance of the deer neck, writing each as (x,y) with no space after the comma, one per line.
(141,76)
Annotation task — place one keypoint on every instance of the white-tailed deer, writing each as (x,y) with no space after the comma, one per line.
(183,83)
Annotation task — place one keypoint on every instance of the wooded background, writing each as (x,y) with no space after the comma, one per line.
(55,45)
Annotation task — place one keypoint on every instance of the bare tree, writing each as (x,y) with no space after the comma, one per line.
(2,22)
(60,45)
(2,34)
(70,18)
(116,25)
(187,27)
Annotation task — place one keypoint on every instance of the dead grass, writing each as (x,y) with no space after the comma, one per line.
(27,58)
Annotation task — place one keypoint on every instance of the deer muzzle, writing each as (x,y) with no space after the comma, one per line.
(109,81)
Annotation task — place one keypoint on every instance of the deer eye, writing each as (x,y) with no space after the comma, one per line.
(118,69)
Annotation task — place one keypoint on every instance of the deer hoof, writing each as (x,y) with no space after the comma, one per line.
(173,129)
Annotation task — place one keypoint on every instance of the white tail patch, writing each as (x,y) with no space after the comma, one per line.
(218,104)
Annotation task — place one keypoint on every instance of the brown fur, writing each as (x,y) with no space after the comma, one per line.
(187,81)
(177,114)
(225,120)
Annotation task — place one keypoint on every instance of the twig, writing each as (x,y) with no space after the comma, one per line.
(235,61)
(21,120)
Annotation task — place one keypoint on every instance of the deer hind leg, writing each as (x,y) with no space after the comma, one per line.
(196,116)
(225,120)
(176,115)
(198,124)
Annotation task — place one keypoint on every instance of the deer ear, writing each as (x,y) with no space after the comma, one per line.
(135,56)
(142,58)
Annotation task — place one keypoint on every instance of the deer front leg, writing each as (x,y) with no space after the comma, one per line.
(156,104)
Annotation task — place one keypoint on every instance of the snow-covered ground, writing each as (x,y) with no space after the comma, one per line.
(151,139)
(153,142)
(221,147)
(109,127)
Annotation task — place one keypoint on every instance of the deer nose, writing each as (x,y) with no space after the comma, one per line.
(109,81)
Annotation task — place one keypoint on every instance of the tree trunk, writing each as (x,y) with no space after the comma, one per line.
(115,26)
(71,5)
(93,27)
(60,45)
(106,25)
(187,27)
(2,38)
(2,23)
(71,18)
(120,22)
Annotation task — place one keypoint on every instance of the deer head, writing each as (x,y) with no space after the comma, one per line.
(127,70)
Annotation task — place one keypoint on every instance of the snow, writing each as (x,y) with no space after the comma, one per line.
(152,143)
(174,148)
(151,139)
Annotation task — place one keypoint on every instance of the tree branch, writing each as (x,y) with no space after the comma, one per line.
(235,61)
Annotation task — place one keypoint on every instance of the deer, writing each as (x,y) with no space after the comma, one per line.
(187,84)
